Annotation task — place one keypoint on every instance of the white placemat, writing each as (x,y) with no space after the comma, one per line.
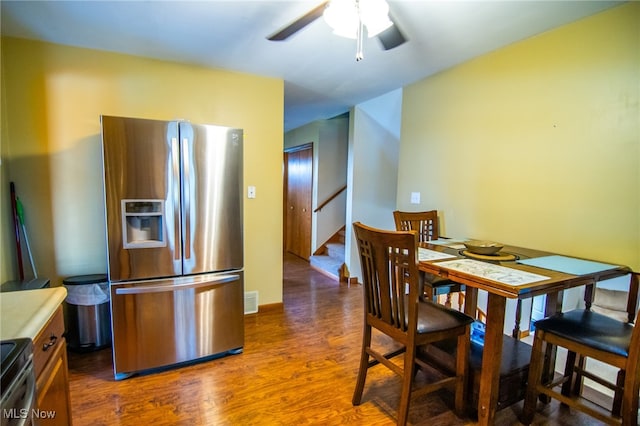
(493,272)
(426,254)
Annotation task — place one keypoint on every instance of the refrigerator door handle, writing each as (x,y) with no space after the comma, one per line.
(175,160)
(221,279)
(186,161)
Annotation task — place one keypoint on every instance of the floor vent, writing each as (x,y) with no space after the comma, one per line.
(250,302)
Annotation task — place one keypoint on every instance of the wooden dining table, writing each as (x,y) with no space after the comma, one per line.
(514,273)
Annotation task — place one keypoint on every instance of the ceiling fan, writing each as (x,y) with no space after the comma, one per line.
(349,18)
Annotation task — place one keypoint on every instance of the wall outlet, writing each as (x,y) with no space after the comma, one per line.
(415,198)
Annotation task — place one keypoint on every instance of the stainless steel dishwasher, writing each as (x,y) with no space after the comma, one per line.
(18,383)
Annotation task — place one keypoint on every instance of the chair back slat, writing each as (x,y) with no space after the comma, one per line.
(424,223)
(618,304)
(632,301)
(389,266)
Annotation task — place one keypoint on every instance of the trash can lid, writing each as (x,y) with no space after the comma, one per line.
(85,279)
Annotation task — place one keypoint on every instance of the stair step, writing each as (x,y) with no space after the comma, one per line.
(335,250)
(327,263)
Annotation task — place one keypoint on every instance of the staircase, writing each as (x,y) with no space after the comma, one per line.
(329,259)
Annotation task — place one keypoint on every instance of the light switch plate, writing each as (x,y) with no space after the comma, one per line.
(251,192)
(415,198)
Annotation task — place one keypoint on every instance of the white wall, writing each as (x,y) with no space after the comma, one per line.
(330,145)
(332,175)
(374,145)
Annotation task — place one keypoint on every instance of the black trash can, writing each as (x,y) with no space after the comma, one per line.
(88,312)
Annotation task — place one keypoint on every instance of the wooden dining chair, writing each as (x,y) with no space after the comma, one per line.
(617,304)
(586,333)
(426,225)
(392,306)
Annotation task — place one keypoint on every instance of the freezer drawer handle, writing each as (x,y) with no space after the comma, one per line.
(163,288)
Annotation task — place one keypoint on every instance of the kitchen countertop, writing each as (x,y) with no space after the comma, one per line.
(33,284)
(24,313)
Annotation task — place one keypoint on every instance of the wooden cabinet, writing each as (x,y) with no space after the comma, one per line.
(52,373)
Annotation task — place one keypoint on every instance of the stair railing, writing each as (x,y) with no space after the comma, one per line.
(328,200)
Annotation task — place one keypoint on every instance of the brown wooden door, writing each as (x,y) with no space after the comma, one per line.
(297,205)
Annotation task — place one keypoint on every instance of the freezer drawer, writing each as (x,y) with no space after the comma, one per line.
(158,323)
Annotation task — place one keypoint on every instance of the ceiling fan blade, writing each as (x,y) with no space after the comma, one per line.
(299,23)
(392,36)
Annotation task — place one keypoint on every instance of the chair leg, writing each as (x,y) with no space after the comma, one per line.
(617,397)
(428,293)
(548,369)
(407,382)
(462,368)
(422,288)
(568,372)
(448,302)
(578,381)
(364,365)
(535,376)
(630,398)
(516,326)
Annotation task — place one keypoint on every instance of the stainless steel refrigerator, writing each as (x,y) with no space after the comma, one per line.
(173,199)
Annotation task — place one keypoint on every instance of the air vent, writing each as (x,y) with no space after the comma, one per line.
(251,302)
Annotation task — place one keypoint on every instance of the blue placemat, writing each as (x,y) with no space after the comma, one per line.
(568,265)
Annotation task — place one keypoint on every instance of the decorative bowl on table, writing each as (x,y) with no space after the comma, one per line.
(483,247)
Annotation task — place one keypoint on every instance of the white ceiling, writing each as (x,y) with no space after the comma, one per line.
(322,78)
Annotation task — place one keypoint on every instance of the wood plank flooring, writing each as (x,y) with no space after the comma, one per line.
(298,368)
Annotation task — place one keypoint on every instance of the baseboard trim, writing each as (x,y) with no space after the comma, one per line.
(270,307)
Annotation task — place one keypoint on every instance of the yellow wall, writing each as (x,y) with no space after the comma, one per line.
(52,99)
(536,144)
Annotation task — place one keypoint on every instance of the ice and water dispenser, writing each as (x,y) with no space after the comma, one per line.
(142,223)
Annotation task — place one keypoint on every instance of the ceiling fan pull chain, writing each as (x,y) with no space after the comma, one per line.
(359,53)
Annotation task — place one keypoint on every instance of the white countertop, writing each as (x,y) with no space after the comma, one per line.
(24,313)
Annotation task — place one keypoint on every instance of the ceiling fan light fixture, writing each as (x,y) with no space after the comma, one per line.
(375,16)
(345,16)
(342,17)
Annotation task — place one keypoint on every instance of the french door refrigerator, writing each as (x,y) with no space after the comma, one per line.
(173,200)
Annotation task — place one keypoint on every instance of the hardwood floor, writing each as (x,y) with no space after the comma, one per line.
(298,367)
